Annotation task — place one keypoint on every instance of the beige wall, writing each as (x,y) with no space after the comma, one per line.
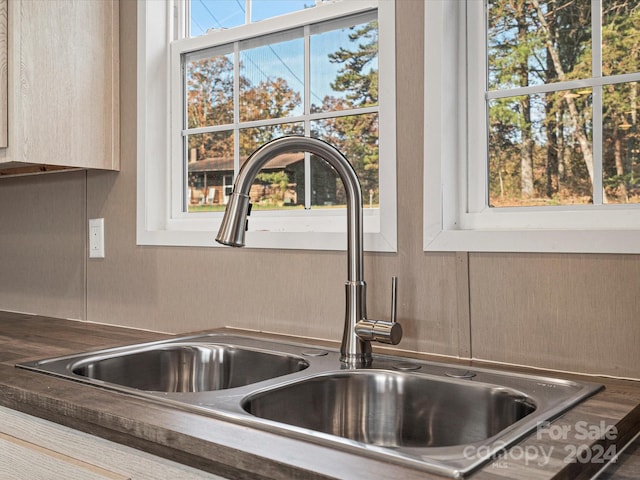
(572,312)
(42,244)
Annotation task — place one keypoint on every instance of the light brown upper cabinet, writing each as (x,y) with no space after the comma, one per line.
(59,103)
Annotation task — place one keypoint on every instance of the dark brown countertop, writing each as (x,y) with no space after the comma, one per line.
(237,451)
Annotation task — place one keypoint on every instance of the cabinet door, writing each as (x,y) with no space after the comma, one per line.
(4,88)
(20,460)
(35,449)
(68,83)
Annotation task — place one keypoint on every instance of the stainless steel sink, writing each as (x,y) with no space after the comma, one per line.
(391,409)
(431,416)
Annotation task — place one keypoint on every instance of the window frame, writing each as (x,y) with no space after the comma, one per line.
(456,215)
(159,222)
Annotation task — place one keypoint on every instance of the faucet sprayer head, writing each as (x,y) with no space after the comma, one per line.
(234,222)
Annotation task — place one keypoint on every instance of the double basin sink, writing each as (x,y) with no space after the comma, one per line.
(432,416)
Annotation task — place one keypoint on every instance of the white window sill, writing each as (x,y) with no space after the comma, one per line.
(538,241)
(294,232)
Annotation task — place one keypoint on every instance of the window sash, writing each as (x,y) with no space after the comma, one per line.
(595,83)
(456,215)
(159,219)
(246,41)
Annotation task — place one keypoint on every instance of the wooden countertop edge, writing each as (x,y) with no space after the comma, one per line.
(186,437)
(627,428)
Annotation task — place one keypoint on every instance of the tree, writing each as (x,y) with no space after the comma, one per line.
(356,135)
(279,182)
(268,99)
(577,124)
(360,84)
(209,102)
(621,54)
(511,42)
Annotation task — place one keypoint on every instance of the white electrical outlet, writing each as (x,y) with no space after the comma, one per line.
(96,238)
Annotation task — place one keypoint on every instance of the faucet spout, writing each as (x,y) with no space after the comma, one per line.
(355,351)
(234,221)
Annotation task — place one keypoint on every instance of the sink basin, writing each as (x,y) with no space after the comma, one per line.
(185,367)
(194,364)
(390,409)
(430,416)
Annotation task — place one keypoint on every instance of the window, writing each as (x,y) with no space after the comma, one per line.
(237,74)
(537,149)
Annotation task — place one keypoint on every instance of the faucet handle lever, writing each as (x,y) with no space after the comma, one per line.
(381,330)
(394,298)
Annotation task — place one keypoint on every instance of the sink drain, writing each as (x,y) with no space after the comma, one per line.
(407,366)
(315,353)
(460,374)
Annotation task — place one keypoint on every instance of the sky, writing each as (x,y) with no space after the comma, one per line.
(206,14)
(284,60)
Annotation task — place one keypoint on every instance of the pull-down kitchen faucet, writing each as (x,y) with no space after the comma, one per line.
(358,330)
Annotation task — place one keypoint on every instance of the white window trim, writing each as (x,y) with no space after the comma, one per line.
(452,220)
(156,225)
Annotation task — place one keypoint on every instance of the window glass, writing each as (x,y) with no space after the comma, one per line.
(262,9)
(621,132)
(621,137)
(518,37)
(252,138)
(620,37)
(272,79)
(210,157)
(280,183)
(206,15)
(335,56)
(209,88)
(535,157)
(548,143)
(357,137)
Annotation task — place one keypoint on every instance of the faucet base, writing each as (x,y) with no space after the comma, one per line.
(359,360)
(355,351)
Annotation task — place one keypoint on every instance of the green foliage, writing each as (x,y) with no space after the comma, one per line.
(361,85)
(279,183)
(277,179)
